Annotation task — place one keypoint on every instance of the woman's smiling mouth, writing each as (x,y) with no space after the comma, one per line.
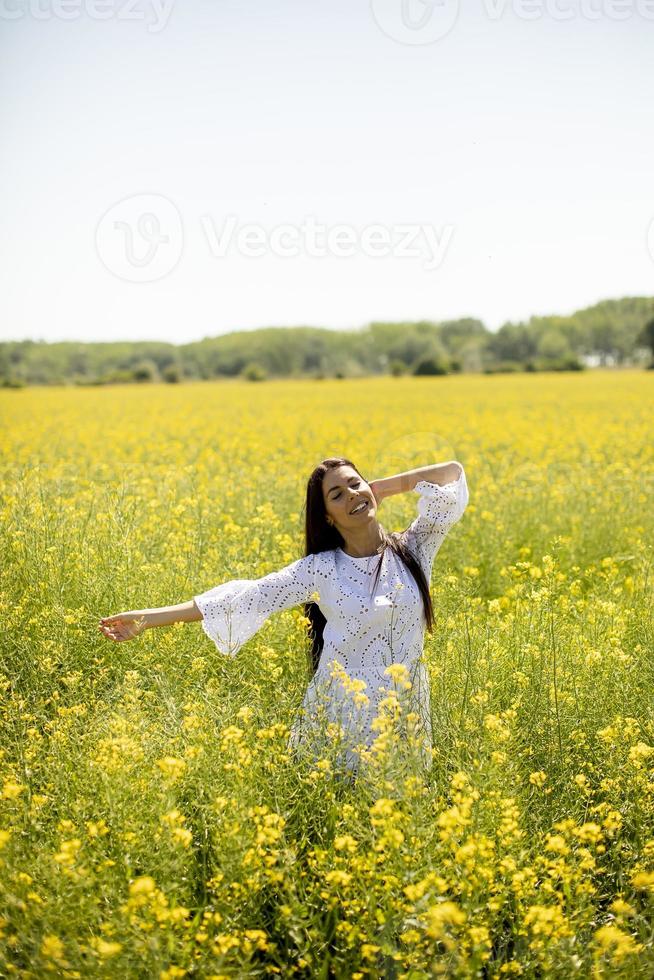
(359,507)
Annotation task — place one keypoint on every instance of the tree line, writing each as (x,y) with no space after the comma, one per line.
(616,333)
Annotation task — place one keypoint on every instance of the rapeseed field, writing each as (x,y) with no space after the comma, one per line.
(152,823)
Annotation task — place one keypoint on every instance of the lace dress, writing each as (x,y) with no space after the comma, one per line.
(364,633)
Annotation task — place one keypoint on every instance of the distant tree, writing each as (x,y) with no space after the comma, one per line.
(471,355)
(432,364)
(512,342)
(572,363)
(553,343)
(605,333)
(145,370)
(459,334)
(253,371)
(646,337)
(397,367)
(502,367)
(172,373)
(118,376)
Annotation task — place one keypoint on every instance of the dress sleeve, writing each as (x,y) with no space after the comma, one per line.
(440,506)
(234,611)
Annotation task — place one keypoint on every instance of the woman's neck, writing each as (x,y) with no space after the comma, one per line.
(365,545)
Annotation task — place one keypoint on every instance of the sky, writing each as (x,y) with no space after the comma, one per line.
(178,169)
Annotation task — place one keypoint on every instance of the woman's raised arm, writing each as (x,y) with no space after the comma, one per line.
(439,474)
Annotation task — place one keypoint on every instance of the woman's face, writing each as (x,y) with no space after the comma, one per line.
(343,491)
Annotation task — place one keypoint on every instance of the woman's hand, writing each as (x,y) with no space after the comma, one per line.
(376,488)
(123,626)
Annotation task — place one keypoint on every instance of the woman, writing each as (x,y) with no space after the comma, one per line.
(365,593)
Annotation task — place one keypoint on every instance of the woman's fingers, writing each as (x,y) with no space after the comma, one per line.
(108,631)
(116,635)
(111,626)
(121,628)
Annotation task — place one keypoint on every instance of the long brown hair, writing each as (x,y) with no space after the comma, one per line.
(321,536)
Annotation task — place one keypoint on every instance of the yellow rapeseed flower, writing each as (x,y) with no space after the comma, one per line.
(171,766)
(643,880)
(52,948)
(104,947)
(443,917)
(11,789)
(144,885)
(616,943)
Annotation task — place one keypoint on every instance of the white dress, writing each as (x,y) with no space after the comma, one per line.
(364,632)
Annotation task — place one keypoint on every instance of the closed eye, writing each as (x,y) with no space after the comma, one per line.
(337,495)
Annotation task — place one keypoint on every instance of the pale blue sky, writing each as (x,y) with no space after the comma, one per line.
(527,146)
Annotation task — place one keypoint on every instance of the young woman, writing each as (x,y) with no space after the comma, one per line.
(365,592)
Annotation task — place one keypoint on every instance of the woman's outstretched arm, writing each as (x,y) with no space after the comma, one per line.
(230,613)
(440,473)
(128,625)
